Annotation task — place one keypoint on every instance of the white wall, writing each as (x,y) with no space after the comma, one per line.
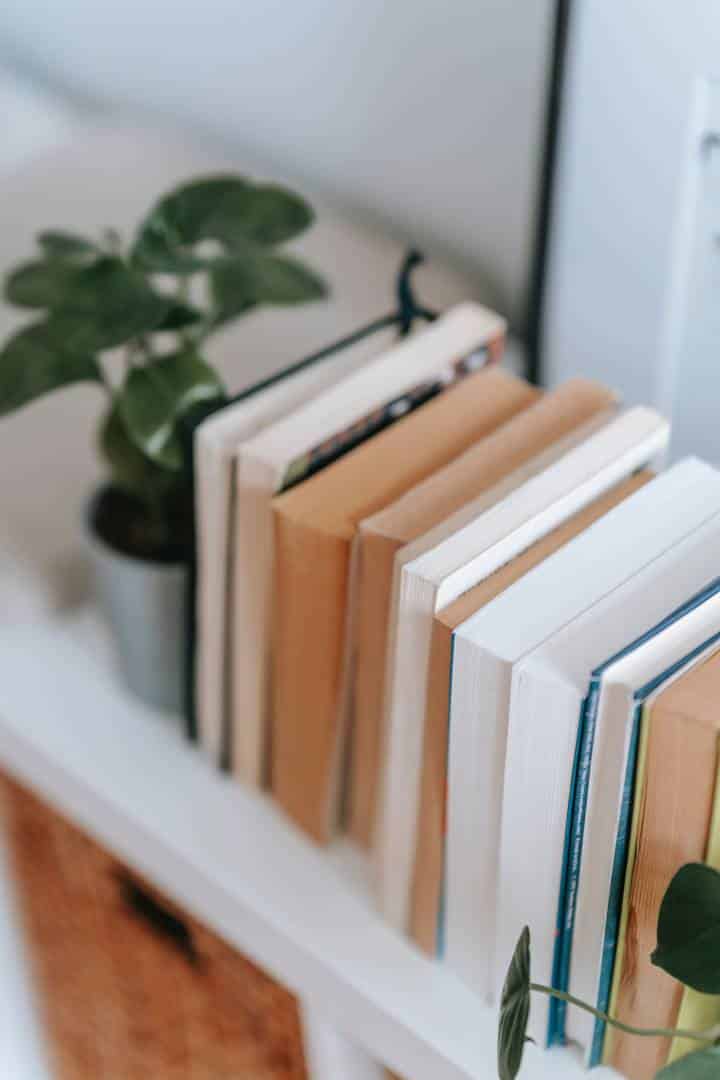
(629,258)
(424,113)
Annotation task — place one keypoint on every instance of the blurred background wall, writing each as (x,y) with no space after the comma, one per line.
(633,277)
(425,116)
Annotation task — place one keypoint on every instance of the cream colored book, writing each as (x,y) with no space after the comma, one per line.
(315,524)
(280,454)
(565,412)
(439,576)
(217,441)
(429,859)
(488,648)
(590,658)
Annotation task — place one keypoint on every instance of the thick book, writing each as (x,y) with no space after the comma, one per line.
(429,841)
(290,449)
(487,647)
(546,729)
(315,523)
(673,807)
(511,445)
(435,579)
(217,441)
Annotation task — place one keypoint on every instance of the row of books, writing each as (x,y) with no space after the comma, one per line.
(463,621)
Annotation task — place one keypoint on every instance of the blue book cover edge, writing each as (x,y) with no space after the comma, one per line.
(577,809)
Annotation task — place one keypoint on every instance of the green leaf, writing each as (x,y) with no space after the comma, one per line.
(92,307)
(514,1010)
(155,396)
(130,469)
(258,277)
(267,215)
(689,929)
(33,362)
(228,209)
(180,315)
(700,1065)
(113,303)
(40,283)
(57,244)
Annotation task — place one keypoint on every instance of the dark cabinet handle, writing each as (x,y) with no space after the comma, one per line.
(163,922)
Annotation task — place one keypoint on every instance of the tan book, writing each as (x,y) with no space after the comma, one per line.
(314,528)
(500,455)
(429,854)
(285,451)
(673,819)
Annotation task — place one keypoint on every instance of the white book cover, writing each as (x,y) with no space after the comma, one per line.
(217,441)
(436,578)
(548,690)
(263,463)
(485,649)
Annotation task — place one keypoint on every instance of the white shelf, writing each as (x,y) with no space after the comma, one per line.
(124,773)
(22,1050)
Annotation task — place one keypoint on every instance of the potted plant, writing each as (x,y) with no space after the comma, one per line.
(133,319)
(688,949)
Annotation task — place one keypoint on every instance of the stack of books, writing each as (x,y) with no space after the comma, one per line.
(466,623)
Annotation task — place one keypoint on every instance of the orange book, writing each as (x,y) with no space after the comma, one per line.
(673,824)
(429,855)
(519,443)
(315,523)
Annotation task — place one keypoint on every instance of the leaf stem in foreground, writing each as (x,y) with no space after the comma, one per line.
(708,1036)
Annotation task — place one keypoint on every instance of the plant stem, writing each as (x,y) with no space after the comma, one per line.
(709,1036)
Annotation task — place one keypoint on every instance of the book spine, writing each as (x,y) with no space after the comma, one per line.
(617,888)
(572,858)
(442,905)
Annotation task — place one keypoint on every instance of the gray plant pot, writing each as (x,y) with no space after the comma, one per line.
(144,603)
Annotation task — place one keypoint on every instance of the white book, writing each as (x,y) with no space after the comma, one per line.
(264,462)
(548,688)
(451,567)
(217,441)
(622,685)
(487,646)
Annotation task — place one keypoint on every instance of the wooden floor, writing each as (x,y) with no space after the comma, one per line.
(130,988)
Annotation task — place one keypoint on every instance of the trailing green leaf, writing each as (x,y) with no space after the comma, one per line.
(701,1065)
(156,395)
(33,362)
(58,244)
(514,1010)
(230,210)
(689,929)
